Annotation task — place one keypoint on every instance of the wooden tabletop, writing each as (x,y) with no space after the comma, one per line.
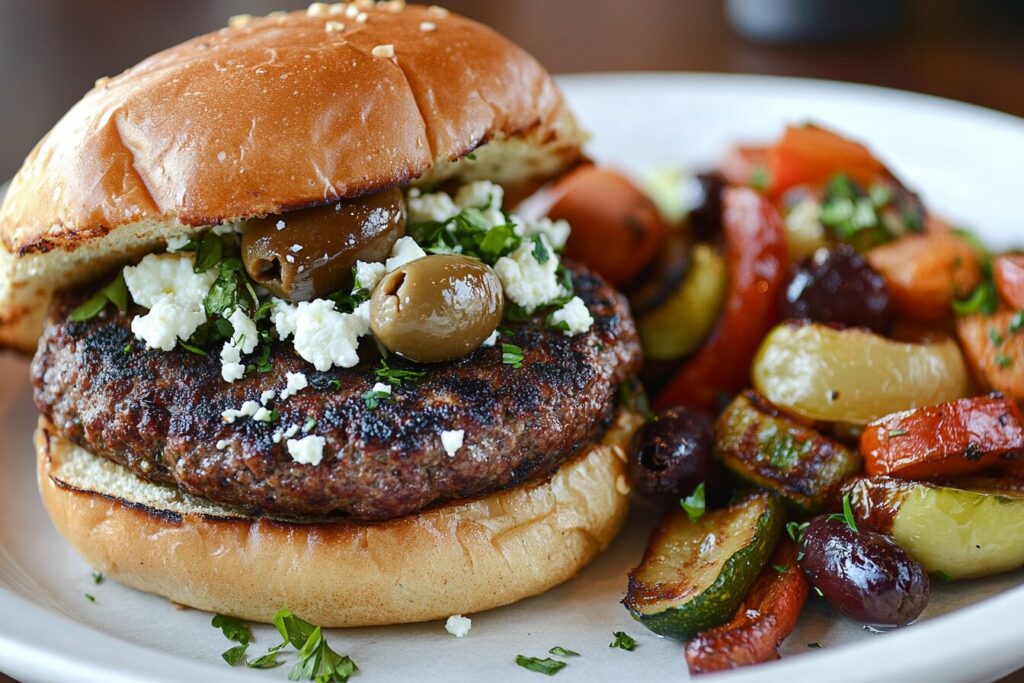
(51,51)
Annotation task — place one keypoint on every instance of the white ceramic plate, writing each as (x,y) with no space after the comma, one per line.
(967,163)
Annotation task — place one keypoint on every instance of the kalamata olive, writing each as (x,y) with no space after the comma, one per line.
(863,574)
(437,308)
(301,255)
(671,455)
(838,286)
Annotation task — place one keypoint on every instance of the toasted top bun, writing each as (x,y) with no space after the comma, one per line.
(271,114)
(460,558)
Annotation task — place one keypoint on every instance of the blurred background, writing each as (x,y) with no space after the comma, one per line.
(51,51)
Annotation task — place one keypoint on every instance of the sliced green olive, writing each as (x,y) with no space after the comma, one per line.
(305,254)
(437,308)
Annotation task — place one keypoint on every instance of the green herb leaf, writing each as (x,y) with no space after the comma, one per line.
(633,396)
(796,530)
(395,376)
(540,250)
(818,591)
(993,334)
(759,178)
(781,568)
(309,425)
(374,398)
(562,652)
(267,661)
(694,504)
(293,629)
(984,299)
(545,666)
(235,654)
(90,597)
(233,629)
(1017,322)
(623,641)
(897,432)
(115,292)
(1003,361)
(847,515)
(209,252)
(97,577)
(511,355)
(814,645)
(223,295)
(192,348)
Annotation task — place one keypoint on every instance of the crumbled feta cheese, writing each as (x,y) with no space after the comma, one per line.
(248,409)
(167,285)
(222,444)
(177,243)
(526,281)
(428,26)
(574,314)
(243,340)
(334,27)
(294,383)
(285,433)
(369,274)
(404,251)
(267,396)
(226,228)
(436,206)
(263,415)
(381,388)
(289,258)
(295,248)
(318,9)
(279,225)
(309,450)
(485,196)
(322,335)
(458,625)
(383,51)
(452,441)
(491,340)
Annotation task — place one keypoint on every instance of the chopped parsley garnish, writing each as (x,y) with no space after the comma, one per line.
(759,178)
(98,577)
(395,376)
(1017,322)
(374,398)
(694,504)
(544,666)
(540,250)
(128,348)
(984,299)
(1003,361)
(236,631)
(467,232)
(309,425)
(781,568)
(511,355)
(317,661)
(818,591)
(90,597)
(191,348)
(796,530)
(993,334)
(867,218)
(559,651)
(268,660)
(225,293)
(633,396)
(847,515)
(623,641)
(116,292)
(208,252)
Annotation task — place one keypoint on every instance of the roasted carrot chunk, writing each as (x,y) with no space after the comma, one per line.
(767,616)
(1009,272)
(993,346)
(924,273)
(952,438)
(809,155)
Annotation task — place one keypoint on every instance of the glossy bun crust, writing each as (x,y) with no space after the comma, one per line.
(459,558)
(276,113)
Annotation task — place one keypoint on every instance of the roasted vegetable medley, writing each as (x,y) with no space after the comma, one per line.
(838,375)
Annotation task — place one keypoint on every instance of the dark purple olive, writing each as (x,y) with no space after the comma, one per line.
(671,455)
(706,217)
(863,574)
(838,286)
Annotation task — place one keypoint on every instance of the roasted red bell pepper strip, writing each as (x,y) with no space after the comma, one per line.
(1009,272)
(755,243)
(952,438)
(767,616)
(809,155)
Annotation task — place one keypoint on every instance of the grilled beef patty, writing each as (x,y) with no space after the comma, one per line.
(159,413)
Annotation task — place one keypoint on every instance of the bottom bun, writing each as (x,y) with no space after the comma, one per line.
(460,558)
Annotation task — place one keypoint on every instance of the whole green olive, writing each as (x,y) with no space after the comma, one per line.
(305,254)
(437,308)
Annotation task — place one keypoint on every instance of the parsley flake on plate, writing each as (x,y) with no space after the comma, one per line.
(559,651)
(694,504)
(544,666)
(623,641)
(512,355)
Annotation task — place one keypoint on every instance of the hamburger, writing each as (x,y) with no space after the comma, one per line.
(293,348)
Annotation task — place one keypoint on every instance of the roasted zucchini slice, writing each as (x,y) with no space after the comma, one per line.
(770,450)
(951,531)
(695,574)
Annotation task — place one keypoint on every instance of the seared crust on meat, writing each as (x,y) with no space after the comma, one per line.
(160,414)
